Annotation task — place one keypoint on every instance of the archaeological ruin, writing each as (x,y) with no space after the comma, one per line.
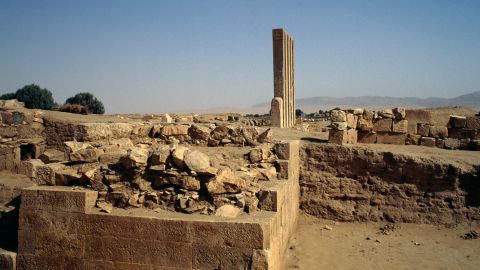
(283,102)
(222,191)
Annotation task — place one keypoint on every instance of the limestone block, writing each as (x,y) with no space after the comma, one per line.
(400,126)
(159,156)
(423,129)
(358,111)
(399,113)
(451,143)
(391,138)
(8,260)
(338,116)
(352,136)
(65,199)
(266,136)
(364,124)
(174,130)
(367,137)
(352,120)
(226,181)
(337,136)
(133,250)
(217,234)
(282,150)
(282,167)
(457,121)
(198,132)
(8,132)
(52,155)
(277,112)
(339,125)
(382,125)
(210,257)
(166,118)
(473,122)
(386,114)
(462,133)
(413,139)
(197,161)
(440,143)
(368,115)
(428,141)
(438,132)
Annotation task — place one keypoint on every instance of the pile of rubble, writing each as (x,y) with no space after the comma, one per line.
(170,177)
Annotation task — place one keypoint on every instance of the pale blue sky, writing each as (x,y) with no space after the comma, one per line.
(157,56)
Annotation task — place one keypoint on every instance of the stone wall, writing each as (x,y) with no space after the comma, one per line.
(350,183)
(449,128)
(60,228)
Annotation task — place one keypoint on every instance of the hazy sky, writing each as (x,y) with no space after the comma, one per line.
(157,56)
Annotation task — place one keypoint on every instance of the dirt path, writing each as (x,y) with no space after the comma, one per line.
(362,246)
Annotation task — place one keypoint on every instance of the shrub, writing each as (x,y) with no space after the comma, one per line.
(33,96)
(88,100)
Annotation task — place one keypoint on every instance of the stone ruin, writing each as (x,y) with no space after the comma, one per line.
(448,128)
(283,103)
(218,192)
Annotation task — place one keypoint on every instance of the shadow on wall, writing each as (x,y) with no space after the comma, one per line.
(471,185)
(9,225)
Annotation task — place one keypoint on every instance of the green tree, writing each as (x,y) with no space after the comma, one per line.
(33,96)
(8,96)
(88,100)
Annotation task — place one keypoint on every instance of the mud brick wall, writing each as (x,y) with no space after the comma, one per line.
(349,183)
(449,128)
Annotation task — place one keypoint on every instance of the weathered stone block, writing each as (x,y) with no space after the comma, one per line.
(282,167)
(438,132)
(232,234)
(351,120)
(8,260)
(391,138)
(382,125)
(462,133)
(8,132)
(338,116)
(282,150)
(211,257)
(457,121)
(428,141)
(451,143)
(473,122)
(58,198)
(413,139)
(174,130)
(352,136)
(423,129)
(337,136)
(399,113)
(367,137)
(364,124)
(400,126)
(46,244)
(131,250)
(339,125)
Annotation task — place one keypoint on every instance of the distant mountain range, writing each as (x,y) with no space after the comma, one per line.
(313,104)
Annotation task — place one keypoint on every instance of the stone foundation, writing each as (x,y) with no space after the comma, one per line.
(354,183)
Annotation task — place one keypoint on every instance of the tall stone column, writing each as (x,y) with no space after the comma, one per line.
(283,104)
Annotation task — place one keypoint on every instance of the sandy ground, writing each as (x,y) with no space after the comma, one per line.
(362,246)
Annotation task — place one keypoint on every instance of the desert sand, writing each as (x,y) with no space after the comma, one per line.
(327,245)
